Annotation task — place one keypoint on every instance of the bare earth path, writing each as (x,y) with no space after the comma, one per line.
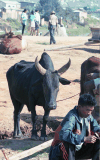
(35,48)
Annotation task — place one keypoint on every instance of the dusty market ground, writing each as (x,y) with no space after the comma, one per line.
(36,46)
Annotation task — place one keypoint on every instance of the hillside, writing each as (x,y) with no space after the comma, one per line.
(82,3)
(72,3)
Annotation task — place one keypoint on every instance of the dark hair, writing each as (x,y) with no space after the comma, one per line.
(52,13)
(87,100)
(32,12)
(25,10)
(36,10)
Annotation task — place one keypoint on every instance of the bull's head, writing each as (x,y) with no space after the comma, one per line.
(50,83)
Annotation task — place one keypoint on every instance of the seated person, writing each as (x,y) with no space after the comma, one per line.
(77,137)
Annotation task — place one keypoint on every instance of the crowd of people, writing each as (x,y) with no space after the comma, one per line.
(35,23)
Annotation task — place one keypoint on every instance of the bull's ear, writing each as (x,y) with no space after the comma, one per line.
(37,82)
(64,81)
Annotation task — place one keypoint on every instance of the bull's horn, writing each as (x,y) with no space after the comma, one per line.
(39,67)
(64,68)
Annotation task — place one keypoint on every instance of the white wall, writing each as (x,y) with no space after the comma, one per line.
(10,5)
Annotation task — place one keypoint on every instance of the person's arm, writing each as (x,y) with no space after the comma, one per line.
(21,18)
(39,19)
(48,25)
(95,127)
(56,24)
(66,133)
(90,139)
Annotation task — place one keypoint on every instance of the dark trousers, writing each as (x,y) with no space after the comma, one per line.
(52,33)
(87,151)
(23,28)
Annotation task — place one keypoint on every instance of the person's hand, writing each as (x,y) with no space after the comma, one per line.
(97,134)
(90,139)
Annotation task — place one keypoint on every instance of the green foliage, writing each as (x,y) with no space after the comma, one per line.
(30,8)
(15,24)
(91,20)
(44,43)
(46,6)
(81,30)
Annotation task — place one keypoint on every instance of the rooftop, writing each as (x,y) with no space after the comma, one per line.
(13,2)
(29,1)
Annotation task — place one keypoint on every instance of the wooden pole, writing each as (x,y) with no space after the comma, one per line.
(31,151)
(3,151)
(68,46)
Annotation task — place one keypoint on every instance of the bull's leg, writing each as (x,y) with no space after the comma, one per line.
(17,109)
(34,131)
(17,131)
(45,119)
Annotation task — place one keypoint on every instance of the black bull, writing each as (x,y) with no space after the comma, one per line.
(34,83)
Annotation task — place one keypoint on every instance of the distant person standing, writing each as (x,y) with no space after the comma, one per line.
(32,18)
(24,20)
(37,21)
(52,26)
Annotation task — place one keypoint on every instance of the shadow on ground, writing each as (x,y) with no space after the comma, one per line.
(20,145)
(89,50)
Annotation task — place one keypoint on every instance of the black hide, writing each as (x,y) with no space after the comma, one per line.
(28,86)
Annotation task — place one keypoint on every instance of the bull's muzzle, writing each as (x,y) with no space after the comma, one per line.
(51,106)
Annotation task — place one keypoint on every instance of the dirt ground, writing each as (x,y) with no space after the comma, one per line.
(35,47)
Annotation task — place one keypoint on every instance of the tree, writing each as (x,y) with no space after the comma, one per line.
(68,14)
(48,6)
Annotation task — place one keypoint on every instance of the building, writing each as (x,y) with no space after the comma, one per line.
(11,13)
(10,4)
(10,9)
(79,16)
(13,9)
(26,3)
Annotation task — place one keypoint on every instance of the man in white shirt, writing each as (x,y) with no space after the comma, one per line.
(37,21)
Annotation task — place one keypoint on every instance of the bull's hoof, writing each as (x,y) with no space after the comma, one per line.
(18,136)
(36,138)
(43,138)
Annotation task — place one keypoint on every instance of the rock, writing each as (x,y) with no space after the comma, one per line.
(61,31)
